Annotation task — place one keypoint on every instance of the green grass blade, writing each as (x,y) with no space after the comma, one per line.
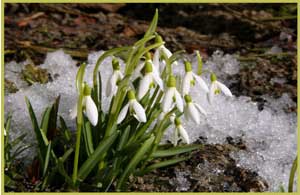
(52,127)
(87,137)
(66,155)
(95,158)
(65,129)
(124,138)
(35,125)
(45,120)
(135,160)
(153,25)
(292,175)
(47,159)
(175,150)
(163,164)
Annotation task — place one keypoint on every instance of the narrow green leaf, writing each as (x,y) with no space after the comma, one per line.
(99,92)
(65,129)
(95,158)
(175,150)
(52,126)
(292,175)
(66,155)
(18,140)
(88,140)
(35,125)
(163,164)
(63,172)
(44,137)
(45,120)
(153,24)
(135,160)
(47,159)
(124,138)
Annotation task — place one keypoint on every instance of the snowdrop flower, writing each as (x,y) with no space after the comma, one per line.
(192,110)
(189,79)
(148,80)
(170,95)
(161,51)
(112,83)
(179,131)
(88,106)
(138,69)
(217,87)
(134,107)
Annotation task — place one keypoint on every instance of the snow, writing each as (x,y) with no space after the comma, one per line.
(270,134)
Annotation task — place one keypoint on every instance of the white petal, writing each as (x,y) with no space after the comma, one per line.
(224,89)
(201,110)
(183,134)
(168,100)
(123,113)
(175,137)
(137,71)
(193,113)
(156,58)
(144,86)
(186,83)
(111,85)
(166,51)
(91,110)
(211,93)
(73,112)
(201,82)
(179,101)
(158,80)
(120,75)
(139,111)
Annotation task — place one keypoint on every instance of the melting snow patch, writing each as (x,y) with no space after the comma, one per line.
(270,134)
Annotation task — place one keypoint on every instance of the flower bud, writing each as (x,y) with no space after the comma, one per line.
(188,66)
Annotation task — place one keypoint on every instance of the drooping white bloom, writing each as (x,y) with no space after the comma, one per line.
(112,82)
(148,80)
(193,110)
(140,66)
(134,107)
(189,78)
(159,52)
(217,87)
(89,107)
(170,95)
(179,132)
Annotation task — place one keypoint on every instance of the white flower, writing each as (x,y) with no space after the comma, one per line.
(134,107)
(161,51)
(216,87)
(189,78)
(112,83)
(193,110)
(89,109)
(148,80)
(179,131)
(171,95)
(140,66)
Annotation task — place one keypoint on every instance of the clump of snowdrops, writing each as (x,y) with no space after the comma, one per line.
(146,99)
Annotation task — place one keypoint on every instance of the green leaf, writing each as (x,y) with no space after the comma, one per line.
(63,172)
(47,159)
(124,138)
(292,175)
(88,140)
(18,140)
(35,125)
(95,158)
(163,164)
(175,150)
(64,128)
(66,155)
(135,160)
(153,25)
(45,120)
(52,126)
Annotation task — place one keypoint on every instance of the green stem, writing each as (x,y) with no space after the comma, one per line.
(292,175)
